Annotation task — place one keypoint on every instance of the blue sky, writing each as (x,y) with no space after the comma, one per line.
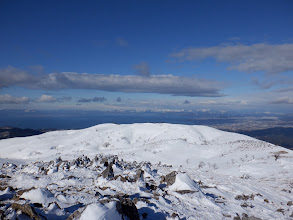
(146,55)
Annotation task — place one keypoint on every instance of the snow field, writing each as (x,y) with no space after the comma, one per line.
(220,174)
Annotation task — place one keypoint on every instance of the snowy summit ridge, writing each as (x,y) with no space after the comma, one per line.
(161,171)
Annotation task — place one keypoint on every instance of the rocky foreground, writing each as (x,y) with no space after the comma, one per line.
(109,188)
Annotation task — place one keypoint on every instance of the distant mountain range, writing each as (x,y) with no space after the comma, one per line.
(10,132)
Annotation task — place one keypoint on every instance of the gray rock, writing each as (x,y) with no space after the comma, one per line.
(170,178)
(138,175)
(27,210)
(108,173)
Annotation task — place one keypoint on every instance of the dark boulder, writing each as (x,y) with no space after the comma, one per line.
(126,207)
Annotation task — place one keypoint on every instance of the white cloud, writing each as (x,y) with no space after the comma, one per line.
(162,84)
(47,98)
(282,100)
(8,99)
(12,76)
(248,58)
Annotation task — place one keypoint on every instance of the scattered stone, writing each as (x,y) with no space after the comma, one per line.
(246,217)
(245,205)
(244,197)
(82,161)
(285,190)
(246,176)
(174,215)
(219,200)
(184,191)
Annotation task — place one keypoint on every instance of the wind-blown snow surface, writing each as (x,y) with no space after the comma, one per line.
(224,165)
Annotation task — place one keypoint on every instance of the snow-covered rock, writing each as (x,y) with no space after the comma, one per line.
(98,211)
(184,183)
(42,196)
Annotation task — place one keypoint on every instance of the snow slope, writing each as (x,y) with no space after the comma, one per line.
(177,145)
(225,164)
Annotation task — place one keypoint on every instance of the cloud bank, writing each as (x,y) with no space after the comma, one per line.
(247,58)
(161,84)
(283,100)
(11,76)
(47,98)
(51,99)
(8,99)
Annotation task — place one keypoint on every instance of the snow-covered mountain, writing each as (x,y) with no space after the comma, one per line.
(159,171)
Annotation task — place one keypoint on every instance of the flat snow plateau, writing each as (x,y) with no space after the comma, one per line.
(220,175)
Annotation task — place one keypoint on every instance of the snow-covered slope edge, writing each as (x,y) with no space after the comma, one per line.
(234,173)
